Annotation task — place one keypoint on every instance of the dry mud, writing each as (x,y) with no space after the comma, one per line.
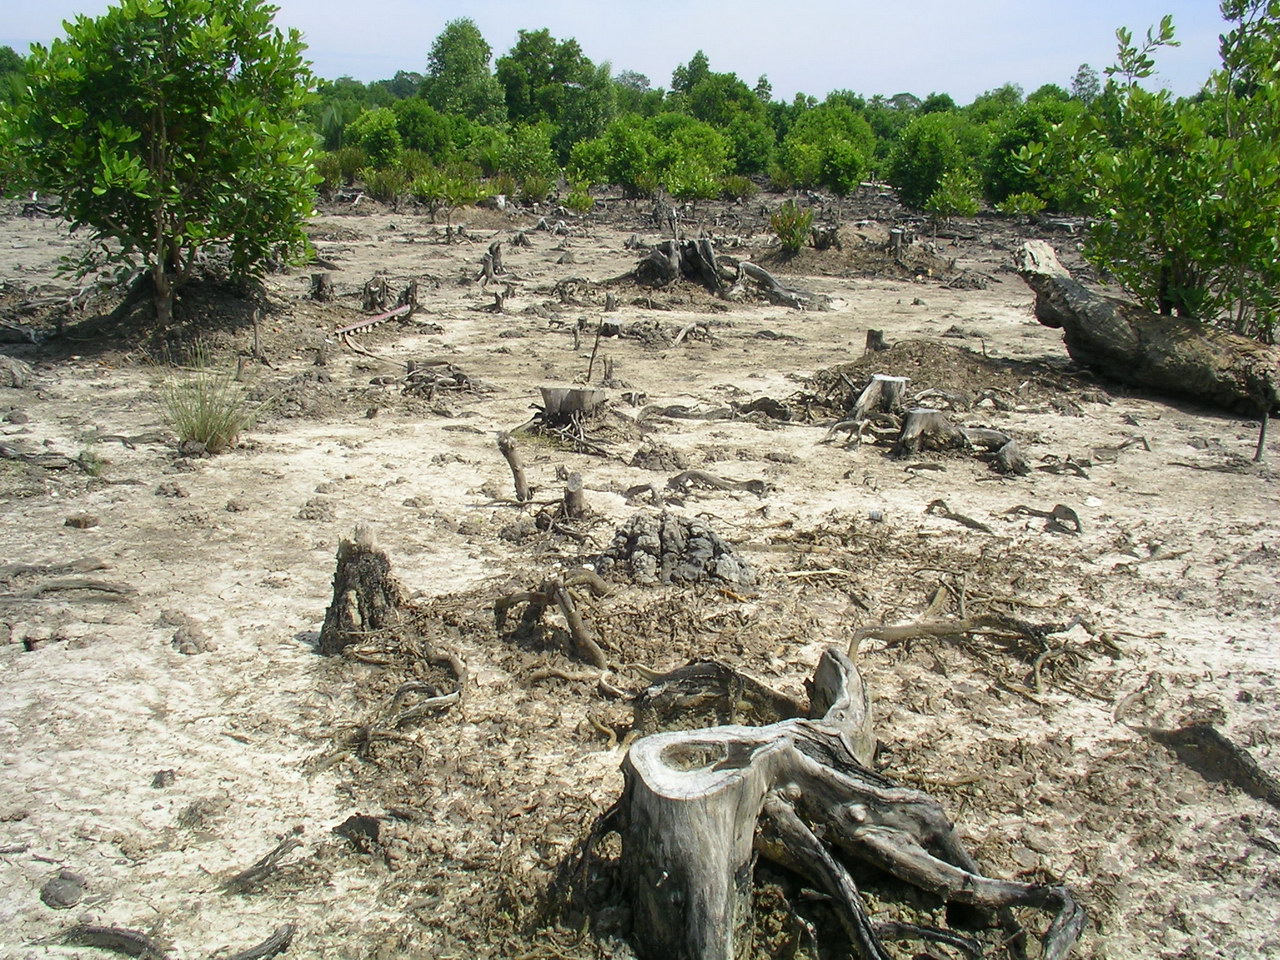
(205,665)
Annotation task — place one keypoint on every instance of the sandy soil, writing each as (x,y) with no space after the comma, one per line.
(207,666)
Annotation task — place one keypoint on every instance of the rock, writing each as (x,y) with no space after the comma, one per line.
(318,510)
(191,639)
(14,373)
(171,488)
(63,891)
(81,521)
(164,778)
(17,416)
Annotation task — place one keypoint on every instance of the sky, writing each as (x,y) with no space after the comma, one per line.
(960,47)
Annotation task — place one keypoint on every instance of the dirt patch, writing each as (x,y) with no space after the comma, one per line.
(169,734)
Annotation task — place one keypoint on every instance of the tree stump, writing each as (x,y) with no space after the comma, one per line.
(507,446)
(698,806)
(375,294)
(575,503)
(929,429)
(366,597)
(322,287)
(561,403)
(1179,356)
(882,395)
(875,342)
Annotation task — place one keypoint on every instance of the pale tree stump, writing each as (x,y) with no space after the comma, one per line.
(699,806)
(928,429)
(882,395)
(366,597)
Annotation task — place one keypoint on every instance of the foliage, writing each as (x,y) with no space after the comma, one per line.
(956,196)
(737,187)
(829,146)
(535,188)
(1086,85)
(424,128)
(12,68)
(1188,190)
(458,80)
(994,104)
(1021,204)
(549,81)
(167,126)
(386,185)
(579,201)
(792,225)
(686,155)
(443,189)
(688,75)
(528,152)
(376,133)
(1033,122)
(932,146)
(209,408)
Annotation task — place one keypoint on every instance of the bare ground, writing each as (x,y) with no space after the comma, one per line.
(208,667)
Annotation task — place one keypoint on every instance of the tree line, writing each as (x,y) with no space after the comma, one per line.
(1186,191)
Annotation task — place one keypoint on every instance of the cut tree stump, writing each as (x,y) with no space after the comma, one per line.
(1178,356)
(699,806)
(882,395)
(322,287)
(928,429)
(366,597)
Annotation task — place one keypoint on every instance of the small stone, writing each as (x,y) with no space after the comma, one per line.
(164,778)
(63,891)
(81,521)
(171,488)
(236,506)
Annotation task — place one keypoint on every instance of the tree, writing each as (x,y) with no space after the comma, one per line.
(1086,85)
(688,75)
(376,132)
(458,77)
(1187,191)
(830,145)
(12,66)
(168,126)
(933,145)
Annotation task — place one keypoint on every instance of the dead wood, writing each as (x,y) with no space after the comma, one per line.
(699,806)
(247,879)
(575,503)
(683,482)
(697,261)
(875,342)
(939,508)
(366,597)
(927,429)
(132,943)
(274,945)
(507,445)
(1062,519)
(1010,460)
(1206,750)
(322,287)
(557,590)
(882,395)
(1179,356)
(375,295)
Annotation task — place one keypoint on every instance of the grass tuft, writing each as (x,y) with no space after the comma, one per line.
(208,408)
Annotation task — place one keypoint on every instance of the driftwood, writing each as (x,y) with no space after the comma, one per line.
(1179,356)
(699,806)
(366,596)
(557,591)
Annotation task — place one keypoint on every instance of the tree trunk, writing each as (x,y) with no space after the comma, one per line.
(366,597)
(1173,355)
(162,295)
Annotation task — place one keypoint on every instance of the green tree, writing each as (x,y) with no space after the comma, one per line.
(12,66)
(933,145)
(1033,122)
(459,80)
(376,133)
(830,146)
(1086,85)
(688,75)
(167,126)
(1187,191)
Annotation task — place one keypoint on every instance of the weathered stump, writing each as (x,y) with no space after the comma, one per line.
(507,446)
(322,287)
(1179,356)
(375,294)
(928,429)
(882,395)
(699,806)
(366,597)
(875,342)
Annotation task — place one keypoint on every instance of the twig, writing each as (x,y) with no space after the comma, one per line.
(245,879)
(275,944)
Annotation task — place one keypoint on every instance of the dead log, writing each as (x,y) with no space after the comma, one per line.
(366,597)
(322,287)
(495,256)
(1179,356)
(1010,460)
(698,806)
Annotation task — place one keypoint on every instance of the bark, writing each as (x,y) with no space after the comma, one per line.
(928,429)
(1178,356)
(366,597)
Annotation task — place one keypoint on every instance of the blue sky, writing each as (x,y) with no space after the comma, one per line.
(811,46)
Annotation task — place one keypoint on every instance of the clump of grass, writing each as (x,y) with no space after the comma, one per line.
(209,408)
(91,462)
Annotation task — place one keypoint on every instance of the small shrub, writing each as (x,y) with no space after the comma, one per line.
(580,201)
(535,188)
(414,163)
(956,196)
(375,132)
(504,184)
(792,225)
(350,161)
(385,186)
(209,408)
(91,462)
(737,187)
(1021,204)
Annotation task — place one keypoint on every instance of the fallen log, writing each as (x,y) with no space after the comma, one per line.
(1179,356)
(699,806)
